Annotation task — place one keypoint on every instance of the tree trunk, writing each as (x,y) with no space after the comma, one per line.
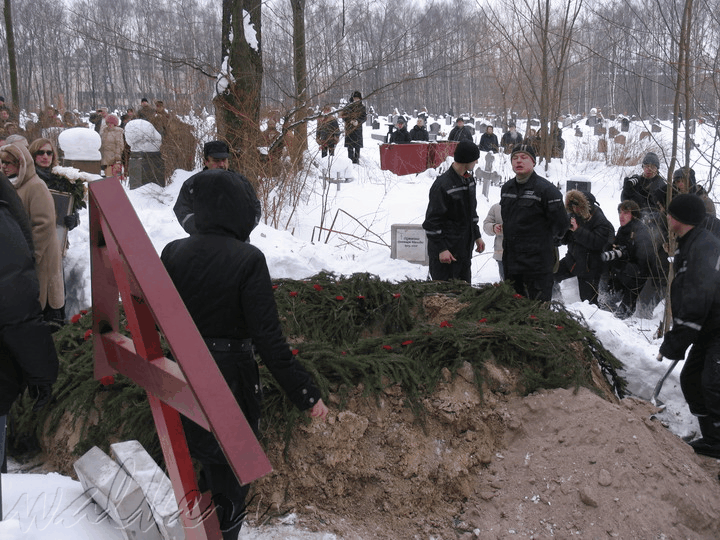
(238,106)
(12,63)
(300,72)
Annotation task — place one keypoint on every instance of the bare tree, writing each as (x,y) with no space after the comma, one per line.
(11,56)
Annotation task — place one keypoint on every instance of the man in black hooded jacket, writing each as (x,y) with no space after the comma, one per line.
(225,285)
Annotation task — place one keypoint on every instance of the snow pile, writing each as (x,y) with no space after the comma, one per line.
(142,136)
(80,144)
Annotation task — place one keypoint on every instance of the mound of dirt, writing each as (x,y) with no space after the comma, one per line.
(556,464)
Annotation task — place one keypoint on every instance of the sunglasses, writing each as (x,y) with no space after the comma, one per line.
(44,153)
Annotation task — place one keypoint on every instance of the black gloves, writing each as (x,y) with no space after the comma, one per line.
(71,221)
(41,394)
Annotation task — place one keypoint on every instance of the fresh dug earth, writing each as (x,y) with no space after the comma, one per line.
(555,464)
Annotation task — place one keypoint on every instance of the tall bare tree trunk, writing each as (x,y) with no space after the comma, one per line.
(682,90)
(11,59)
(300,72)
(238,106)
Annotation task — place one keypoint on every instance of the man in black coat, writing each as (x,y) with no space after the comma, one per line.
(511,138)
(534,222)
(215,156)
(695,297)
(225,284)
(451,220)
(640,188)
(27,351)
(401,134)
(590,234)
(489,141)
(419,132)
(460,132)
(354,115)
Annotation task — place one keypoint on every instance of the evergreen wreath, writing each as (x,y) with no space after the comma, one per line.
(348,331)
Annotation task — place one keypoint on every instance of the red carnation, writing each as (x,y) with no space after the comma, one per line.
(406,343)
(483,320)
(445,324)
(517,295)
(88,334)
(533,317)
(396,295)
(387,347)
(296,352)
(107,380)
(317,287)
(339,297)
(293,293)
(76,318)
(361,297)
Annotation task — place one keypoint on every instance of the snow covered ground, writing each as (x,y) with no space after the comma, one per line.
(52,506)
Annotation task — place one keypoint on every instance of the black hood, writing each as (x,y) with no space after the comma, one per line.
(223,204)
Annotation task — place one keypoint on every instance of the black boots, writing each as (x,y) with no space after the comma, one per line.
(709,443)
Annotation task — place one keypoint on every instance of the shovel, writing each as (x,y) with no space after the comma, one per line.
(654,400)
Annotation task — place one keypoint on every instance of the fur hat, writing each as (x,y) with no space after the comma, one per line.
(688,209)
(577,202)
(525,149)
(357,94)
(651,158)
(466,152)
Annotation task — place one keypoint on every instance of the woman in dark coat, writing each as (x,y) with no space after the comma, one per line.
(225,284)
(27,351)
(354,115)
(590,234)
(45,157)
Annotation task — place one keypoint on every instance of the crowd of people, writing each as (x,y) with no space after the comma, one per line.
(616,270)
(624,271)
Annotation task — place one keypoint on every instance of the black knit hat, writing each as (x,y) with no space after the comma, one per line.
(216,149)
(357,94)
(525,149)
(466,152)
(688,209)
(651,158)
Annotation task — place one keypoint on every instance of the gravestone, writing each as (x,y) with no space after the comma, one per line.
(489,159)
(578,131)
(579,183)
(600,131)
(644,135)
(624,124)
(656,128)
(409,243)
(602,146)
(613,131)
(620,139)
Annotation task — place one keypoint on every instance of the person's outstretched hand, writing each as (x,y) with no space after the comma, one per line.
(319,410)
